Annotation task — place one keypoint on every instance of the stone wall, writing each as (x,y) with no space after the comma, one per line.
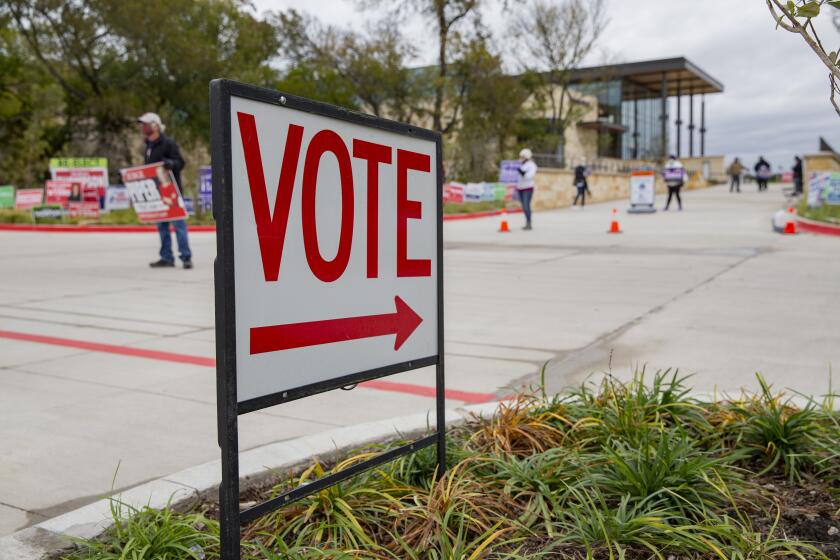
(717,167)
(554,188)
(823,161)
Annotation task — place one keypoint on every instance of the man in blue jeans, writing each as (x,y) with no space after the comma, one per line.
(161,148)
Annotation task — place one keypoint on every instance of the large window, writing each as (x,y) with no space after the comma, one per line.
(608,94)
(641,115)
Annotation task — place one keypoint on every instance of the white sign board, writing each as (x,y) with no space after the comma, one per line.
(642,188)
(335,246)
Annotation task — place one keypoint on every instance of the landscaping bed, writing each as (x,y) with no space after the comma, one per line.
(113,218)
(611,470)
(825,213)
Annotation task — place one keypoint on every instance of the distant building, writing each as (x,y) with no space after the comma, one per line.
(626,115)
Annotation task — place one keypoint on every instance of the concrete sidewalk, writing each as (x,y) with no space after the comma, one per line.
(710,290)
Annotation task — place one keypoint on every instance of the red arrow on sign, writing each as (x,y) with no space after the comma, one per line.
(300,335)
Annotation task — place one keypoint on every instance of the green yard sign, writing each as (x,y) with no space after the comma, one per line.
(73,162)
(7,196)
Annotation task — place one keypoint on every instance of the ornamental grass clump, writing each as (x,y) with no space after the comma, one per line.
(773,432)
(641,469)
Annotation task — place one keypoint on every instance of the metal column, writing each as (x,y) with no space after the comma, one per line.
(635,129)
(691,125)
(679,122)
(664,116)
(703,125)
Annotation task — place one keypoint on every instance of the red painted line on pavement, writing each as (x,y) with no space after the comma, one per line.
(376,384)
(48,228)
(422,390)
(110,348)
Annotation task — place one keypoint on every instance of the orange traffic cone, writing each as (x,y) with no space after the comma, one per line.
(503,223)
(614,227)
(790,225)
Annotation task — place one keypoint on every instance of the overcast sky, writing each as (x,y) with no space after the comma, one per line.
(776,91)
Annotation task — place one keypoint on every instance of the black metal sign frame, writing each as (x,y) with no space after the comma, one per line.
(228,406)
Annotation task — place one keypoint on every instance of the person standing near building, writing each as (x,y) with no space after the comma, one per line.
(525,185)
(674,175)
(762,173)
(797,176)
(734,171)
(161,148)
(581,184)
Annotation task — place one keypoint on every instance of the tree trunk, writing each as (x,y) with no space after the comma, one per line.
(437,117)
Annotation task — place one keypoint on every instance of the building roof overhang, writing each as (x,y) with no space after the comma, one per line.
(682,77)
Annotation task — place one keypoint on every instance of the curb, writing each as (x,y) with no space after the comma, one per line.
(47,228)
(52,536)
(813,226)
(475,215)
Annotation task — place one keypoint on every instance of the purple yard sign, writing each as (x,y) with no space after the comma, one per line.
(509,171)
(205,188)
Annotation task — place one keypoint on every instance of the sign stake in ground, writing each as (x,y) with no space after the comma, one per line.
(329,267)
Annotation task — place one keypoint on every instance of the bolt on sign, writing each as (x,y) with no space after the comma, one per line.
(329,264)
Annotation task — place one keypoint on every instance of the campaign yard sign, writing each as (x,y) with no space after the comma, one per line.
(329,266)
(58,192)
(205,188)
(25,199)
(84,209)
(154,193)
(509,171)
(91,172)
(453,193)
(823,188)
(47,213)
(7,196)
(117,198)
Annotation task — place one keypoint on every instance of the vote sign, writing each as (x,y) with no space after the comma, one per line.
(332,224)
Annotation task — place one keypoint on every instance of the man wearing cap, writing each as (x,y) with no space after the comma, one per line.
(161,148)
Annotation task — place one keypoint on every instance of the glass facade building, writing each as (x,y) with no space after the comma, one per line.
(631,99)
(629,120)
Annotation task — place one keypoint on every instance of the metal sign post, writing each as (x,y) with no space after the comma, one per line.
(329,267)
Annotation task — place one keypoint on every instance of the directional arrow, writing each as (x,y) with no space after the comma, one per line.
(300,335)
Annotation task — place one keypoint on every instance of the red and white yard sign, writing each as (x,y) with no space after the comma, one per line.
(335,228)
(154,193)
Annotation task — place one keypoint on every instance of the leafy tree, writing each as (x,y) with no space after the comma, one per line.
(447,17)
(492,109)
(798,17)
(115,59)
(365,72)
(30,109)
(553,39)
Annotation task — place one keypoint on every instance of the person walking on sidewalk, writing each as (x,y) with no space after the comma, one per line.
(674,175)
(762,173)
(582,185)
(525,185)
(734,171)
(161,148)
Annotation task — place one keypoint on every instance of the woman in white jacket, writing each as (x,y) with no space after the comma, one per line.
(525,185)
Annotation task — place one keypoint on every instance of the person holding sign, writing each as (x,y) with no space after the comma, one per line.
(161,148)
(525,184)
(762,173)
(674,175)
